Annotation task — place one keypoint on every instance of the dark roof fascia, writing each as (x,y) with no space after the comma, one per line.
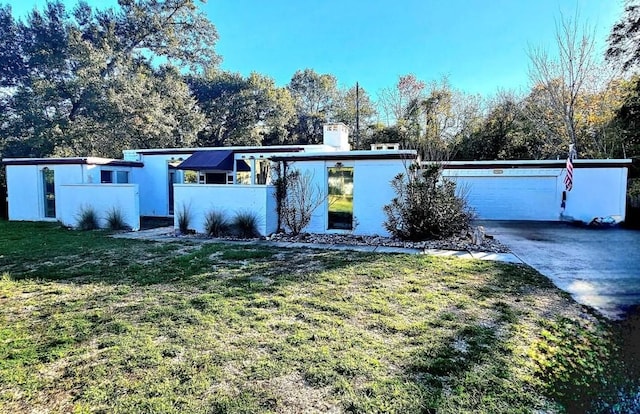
(173,151)
(72,161)
(344,157)
(515,165)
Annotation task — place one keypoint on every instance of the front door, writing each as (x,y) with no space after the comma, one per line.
(49,187)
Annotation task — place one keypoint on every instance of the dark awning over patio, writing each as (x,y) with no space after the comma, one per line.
(213,160)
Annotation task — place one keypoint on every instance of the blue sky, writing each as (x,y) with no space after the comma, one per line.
(480,45)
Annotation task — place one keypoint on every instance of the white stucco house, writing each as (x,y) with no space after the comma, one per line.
(158,182)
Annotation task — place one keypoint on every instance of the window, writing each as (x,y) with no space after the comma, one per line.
(106,176)
(122,177)
(49,187)
(110,177)
(340,209)
(262,171)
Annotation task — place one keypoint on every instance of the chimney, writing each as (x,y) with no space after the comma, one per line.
(336,135)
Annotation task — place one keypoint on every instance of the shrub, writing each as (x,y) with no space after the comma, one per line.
(245,224)
(216,224)
(425,206)
(115,219)
(184,218)
(301,199)
(87,219)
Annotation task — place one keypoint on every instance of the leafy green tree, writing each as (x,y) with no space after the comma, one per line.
(241,111)
(627,121)
(315,98)
(88,82)
(355,107)
(624,40)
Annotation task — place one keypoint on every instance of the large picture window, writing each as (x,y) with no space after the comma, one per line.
(340,198)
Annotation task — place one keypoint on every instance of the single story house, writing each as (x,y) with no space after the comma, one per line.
(354,184)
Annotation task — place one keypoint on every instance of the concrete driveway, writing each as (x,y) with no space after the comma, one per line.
(598,267)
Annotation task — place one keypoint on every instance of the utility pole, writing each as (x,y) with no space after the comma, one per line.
(357,115)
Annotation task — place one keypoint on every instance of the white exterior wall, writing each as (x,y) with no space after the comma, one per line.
(371,192)
(26,193)
(72,198)
(229,199)
(536,193)
(597,192)
(153,180)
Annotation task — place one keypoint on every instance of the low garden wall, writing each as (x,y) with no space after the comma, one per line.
(199,199)
(71,199)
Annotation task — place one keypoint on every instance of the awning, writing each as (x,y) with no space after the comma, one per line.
(212,160)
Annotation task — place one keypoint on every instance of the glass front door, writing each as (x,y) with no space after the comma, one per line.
(340,198)
(49,187)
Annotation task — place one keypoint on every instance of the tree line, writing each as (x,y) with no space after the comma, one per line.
(145,74)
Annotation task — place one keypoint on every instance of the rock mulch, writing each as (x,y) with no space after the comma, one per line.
(460,242)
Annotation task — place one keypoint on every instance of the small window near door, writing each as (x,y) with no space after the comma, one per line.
(49,187)
(106,176)
(340,198)
(122,177)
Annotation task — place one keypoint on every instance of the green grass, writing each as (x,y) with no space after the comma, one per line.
(94,324)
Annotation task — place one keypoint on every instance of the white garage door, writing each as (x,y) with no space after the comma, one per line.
(512,198)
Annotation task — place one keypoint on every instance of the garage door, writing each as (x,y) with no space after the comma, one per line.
(512,198)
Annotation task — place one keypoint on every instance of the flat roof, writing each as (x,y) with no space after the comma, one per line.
(349,155)
(238,150)
(72,161)
(503,164)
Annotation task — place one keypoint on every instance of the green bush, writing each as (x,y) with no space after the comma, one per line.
(245,224)
(115,220)
(426,206)
(87,219)
(216,224)
(184,219)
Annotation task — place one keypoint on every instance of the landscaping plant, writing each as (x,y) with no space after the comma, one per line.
(426,205)
(245,224)
(184,218)
(216,224)
(87,219)
(115,219)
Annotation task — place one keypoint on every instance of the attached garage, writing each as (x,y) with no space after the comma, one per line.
(533,190)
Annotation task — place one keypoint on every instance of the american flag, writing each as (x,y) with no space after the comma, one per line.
(568,179)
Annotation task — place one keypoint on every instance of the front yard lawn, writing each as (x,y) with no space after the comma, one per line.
(94,324)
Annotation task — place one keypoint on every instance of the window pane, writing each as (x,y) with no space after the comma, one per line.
(122,177)
(106,176)
(49,193)
(341,198)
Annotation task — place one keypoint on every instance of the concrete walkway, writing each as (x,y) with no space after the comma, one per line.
(167,234)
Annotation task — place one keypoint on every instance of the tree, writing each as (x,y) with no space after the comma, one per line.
(89,83)
(624,40)
(562,80)
(241,111)
(355,109)
(315,98)
(627,120)
(395,101)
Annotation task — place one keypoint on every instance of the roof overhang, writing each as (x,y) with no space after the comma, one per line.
(507,164)
(349,155)
(72,161)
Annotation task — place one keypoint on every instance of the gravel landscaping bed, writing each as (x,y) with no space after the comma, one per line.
(461,242)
